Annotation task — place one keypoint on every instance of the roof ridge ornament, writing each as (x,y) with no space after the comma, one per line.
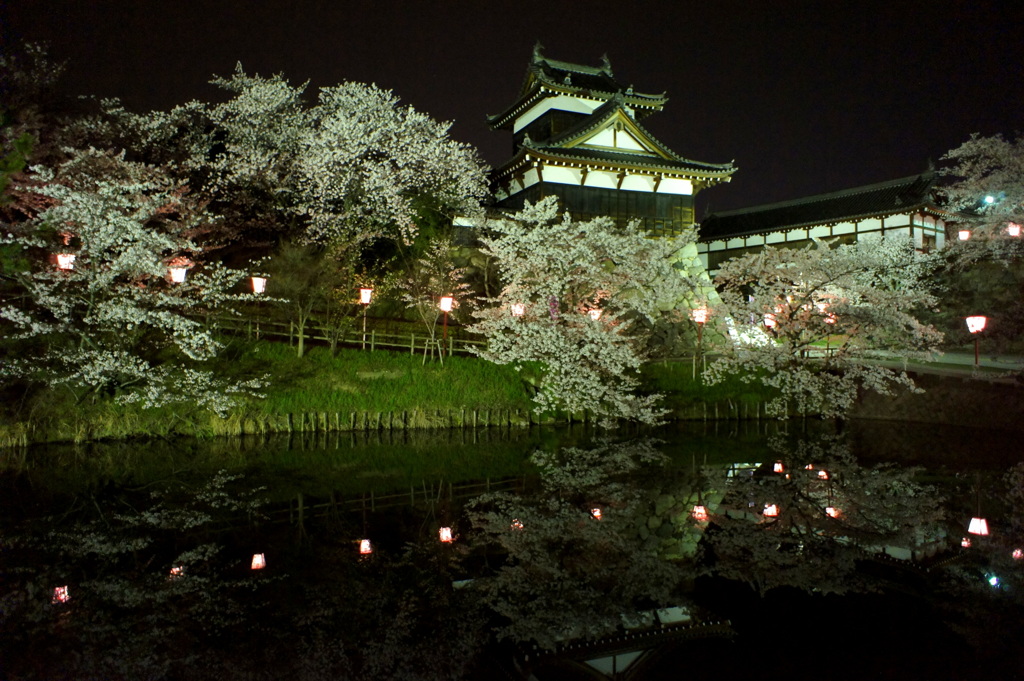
(537,56)
(606,64)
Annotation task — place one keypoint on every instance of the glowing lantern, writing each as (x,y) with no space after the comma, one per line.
(771,511)
(65,261)
(699,513)
(516,524)
(446,303)
(365,548)
(1018,554)
(177,571)
(259,561)
(1013,229)
(963,234)
(769,320)
(518,309)
(259,284)
(61,595)
(976,324)
(809,467)
(178,274)
(778,467)
(364,295)
(445,535)
(832,512)
(700,315)
(978,526)
(595,314)
(965,542)
(823,474)
(595,513)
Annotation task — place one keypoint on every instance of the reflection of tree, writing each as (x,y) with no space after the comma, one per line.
(806,545)
(567,574)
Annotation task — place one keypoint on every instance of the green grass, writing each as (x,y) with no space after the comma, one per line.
(681,389)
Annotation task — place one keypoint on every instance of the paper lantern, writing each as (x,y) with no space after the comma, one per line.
(832,512)
(963,234)
(365,548)
(1018,554)
(259,284)
(61,595)
(771,511)
(769,320)
(595,314)
(177,571)
(978,526)
(518,309)
(976,323)
(446,303)
(1013,229)
(778,467)
(595,513)
(699,513)
(516,524)
(445,535)
(178,274)
(965,542)
(700,315)
(364,295)
(259,561)
(65,261)
(823,474)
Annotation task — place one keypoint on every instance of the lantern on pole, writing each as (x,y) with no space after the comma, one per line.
(978,526)
(518,309)
(963,234)
(700,513)
(976,324)
(365,547)
(65,261)
(832,512)
(177,268)
(61,595)
(823,474)
(259,561)
(595,513)
(446,306)
(364,299)
(769,320)
(595,313)
(259,285)
(1013,229)
(445,535)
(777,467)
(771,511)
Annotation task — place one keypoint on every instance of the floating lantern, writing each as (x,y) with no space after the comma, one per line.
(832,512)
(518,309)
(65,261)
(595,314)
(61,595)
(446,303)
(965,542)
(364,295)
(978,526)
(259,284)
(964,234)
(771,511)
(595,513)
(259,561)
(1013,229)
(365,548)
(445,535)
(699,513)
(823,474)
(778,467)
(700,315)
(516,524)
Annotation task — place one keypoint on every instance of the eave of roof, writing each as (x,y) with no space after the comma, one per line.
(592,158)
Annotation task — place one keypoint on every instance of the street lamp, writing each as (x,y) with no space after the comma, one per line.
(446,306)
(364,299)
(976,324)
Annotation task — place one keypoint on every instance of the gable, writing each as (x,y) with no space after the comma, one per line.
(617,133)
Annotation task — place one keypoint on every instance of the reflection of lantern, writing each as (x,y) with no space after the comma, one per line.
(364,295)
(61,595)
(699,513)
(965,542)
(446,303)
(832,512)
(1018,554)
(823,474)
(518,309)
(978,526)
(259,561)
(963,234)
(595,314)
(771,511)
(516,524)
(445,535)
(595,513)
(259,284)
(365,548)
(65,261)
(778,467)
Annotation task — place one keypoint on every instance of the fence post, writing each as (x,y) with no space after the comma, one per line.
(373,339)
(412,343)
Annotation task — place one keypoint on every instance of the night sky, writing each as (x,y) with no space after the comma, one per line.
(806,97)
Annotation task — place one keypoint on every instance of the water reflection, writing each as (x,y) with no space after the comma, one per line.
(563,556)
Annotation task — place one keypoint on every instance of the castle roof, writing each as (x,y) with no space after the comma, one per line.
(903,195)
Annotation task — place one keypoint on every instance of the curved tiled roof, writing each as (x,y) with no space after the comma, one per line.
(859,203)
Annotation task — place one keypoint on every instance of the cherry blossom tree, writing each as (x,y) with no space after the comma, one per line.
(89,303)
(987,185)
(815,322)
(572,296)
